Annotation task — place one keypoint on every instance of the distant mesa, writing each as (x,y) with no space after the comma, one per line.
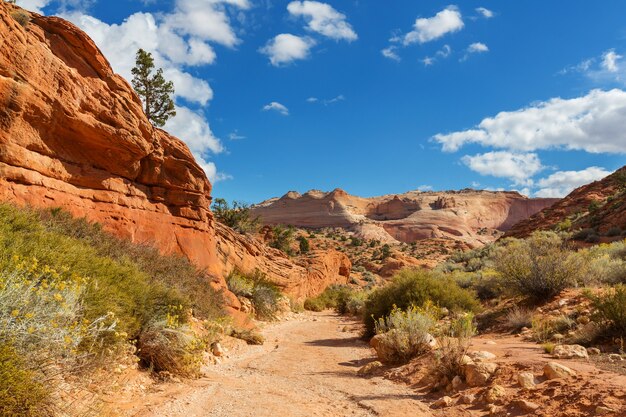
(473,216)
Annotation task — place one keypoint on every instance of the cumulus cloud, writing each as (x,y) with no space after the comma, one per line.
(477,47)
(425,30)
(609,61)
(562,183)
(193,128)
(287,48)
(593,123)
(391,53)
(518,167)
(322,18)
(277,107)
(486,13)
(33,5)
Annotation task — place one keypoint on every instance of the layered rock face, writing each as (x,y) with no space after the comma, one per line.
(607,195)
(474,217)
(73,135)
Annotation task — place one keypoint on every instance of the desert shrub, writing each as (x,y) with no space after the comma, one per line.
(564,226)
(611,309)
(385,251)
(22,393)
(453,346)
(238,217)
(168,345)
(544,329)
(593,238)
(584,234)
(99,292)
(264,295)
(406,333)
(334,297)
(539,267)
(518,318)
(355,241)
(416,288)
(489,285)
(355,304)
(548,347)
(21,17)
(172,274)
(614,231)
(605,269)
(251,337)
(282,238)
(304,245)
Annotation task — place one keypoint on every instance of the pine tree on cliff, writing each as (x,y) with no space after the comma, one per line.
(155,92)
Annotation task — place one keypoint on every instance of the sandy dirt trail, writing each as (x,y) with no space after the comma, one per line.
(307,367)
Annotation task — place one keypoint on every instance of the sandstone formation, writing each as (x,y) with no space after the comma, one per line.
(607,195)
(475,217)
(73,135)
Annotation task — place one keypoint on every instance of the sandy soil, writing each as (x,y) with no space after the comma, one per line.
(307,367)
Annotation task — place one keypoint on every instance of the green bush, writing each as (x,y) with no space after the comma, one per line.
(264,295)
(168,345)
(417,288)
(405,334)
(21,17)
(282,238)
(304,244)
(113,289)
(335,297)
(237,217)
(22,392)
(539,267)
(611,309)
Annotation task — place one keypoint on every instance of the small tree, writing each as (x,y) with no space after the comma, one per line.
(237,217)
(155,92)
(304,244)
(282,238)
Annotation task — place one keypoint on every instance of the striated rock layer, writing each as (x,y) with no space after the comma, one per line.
(474,217)
(73,135)
(600,205)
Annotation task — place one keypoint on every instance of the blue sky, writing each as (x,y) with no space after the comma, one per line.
(382,97)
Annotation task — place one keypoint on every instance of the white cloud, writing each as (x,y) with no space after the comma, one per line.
(33,5)
(323,19)
(428,61)
(425,30)
(593,123)
(235,135)
(518,167)
(562,183)
(312,100)
(277,107)
(486,13)
(424,188)
(391,53)
(286,48)
(445,51)
(609,61)
(477,47)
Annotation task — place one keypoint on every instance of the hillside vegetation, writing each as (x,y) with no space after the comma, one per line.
(73,299)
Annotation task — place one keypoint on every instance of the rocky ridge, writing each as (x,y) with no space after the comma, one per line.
(470,216)
(600,205)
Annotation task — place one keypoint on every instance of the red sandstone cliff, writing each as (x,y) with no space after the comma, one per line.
(73,134)
(607,195)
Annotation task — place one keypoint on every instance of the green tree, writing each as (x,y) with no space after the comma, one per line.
(282,238)
(155,92)
(237,217)
(304,244)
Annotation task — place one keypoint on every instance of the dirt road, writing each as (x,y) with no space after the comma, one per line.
(307,367)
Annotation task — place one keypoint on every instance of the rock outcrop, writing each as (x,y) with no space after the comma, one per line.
(474,217)
(600,205)
(73,135)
